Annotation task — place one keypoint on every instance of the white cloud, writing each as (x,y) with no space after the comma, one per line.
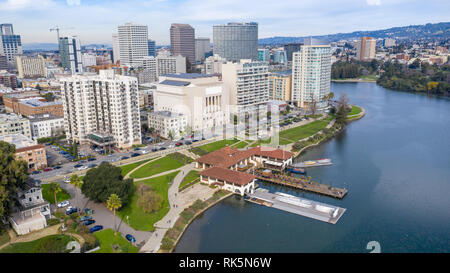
(24,4)
(373,2)
(73,2)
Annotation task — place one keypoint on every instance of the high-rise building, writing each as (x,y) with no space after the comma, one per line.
(171,64)
(236,41)
(3,62)
(10,44)
(280,56)
(101,109)
(202,46)
(133,43)
(366,49)
(151,48)
(311,75)
(213,64)
(280,86)
(30,67)
(148,70)
(248,82)
(388,42)
(263,54)
(115,46)
(70,51)
(182,41)
(290,49)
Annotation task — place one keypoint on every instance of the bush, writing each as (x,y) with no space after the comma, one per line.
(52,244)
(53,221)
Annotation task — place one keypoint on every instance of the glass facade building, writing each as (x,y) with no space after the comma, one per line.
(10,44)
(236,41)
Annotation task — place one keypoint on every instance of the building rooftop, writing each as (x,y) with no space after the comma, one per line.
(10,117)
(165,114)
(19,140)
(35,102)
(175,83)
(188,75)
(42,117)
(228,175)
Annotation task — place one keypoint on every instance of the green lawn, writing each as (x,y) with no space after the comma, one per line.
(49,244)
(191,176)
(240,145)
(4,236)
(127,168)
(107,239)
(164,164)
(211,147)
(140,220)
(300,132)
(50,197)
(355,110)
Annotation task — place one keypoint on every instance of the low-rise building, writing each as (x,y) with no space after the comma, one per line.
(171,64)
(14,124)
(28,150)
(237,182)
(7,79)
(168,124)
(32,210)
(35,106)
(46,125)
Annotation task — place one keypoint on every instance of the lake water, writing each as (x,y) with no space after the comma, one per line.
(395,163)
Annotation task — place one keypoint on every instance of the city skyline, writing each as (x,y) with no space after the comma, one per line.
(33,20)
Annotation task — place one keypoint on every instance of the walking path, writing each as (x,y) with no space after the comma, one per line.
(159,174)
(130,172)
(178,202)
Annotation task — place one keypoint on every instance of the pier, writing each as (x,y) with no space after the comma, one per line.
(302,184)
(312,163)
(300,206)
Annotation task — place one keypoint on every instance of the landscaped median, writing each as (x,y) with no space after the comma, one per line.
(140,220)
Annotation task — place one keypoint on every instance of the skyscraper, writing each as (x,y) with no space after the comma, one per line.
(133,43)
(264,54)
(236,41)
(311,75)
(182,41)
(70,51)
(10,44)
(366,49)
(290,49)
(151,48)
(202,46)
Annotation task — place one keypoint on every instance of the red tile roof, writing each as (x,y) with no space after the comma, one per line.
(228,175)
(229,156)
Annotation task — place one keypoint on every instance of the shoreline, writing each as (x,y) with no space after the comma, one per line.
(354,80)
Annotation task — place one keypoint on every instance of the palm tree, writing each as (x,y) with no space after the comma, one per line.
(114,203)
(55,188)
(76,181)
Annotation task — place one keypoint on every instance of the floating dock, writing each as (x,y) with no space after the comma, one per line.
(313,163)
(293,204)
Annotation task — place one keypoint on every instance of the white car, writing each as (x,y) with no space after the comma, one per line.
(171,146)
(63,204)
(82,168)
(66,179)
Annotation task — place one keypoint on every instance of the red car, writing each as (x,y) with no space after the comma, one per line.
(48,169)
(178,144)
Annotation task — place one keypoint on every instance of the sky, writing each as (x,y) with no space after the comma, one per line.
(94,21)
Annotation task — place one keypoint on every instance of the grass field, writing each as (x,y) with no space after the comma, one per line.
(43,245)
(4,237)
(211,147)
(240,145)
(50,197)
(164,164)
(107,239)
(138,218)
(191,176)
(300,132)
(127,168)
(355,110)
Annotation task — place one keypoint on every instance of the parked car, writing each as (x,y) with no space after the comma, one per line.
(171,146)
(124,157)
(36,172)
(48,169)
(134,154)
(71,210)
(57,167)
(85,218)
(130,238)
(63,204)
(91,159)
(82,168)
(88,211)
(162,148)
(187,142)
(95,228)
(77,166)
(89,222)
(178,144)
(154,149)
(194,140)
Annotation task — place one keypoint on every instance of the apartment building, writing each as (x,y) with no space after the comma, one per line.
(46,125)
(248,82)
(28,150)
(168,124)
(101,108)
(213,64)
(14,124)
(311,75)
(202,98)
(366,49)
(171,64)
(280,86)
(30,67)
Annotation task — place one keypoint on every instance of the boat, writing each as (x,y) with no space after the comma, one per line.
(293,169)
(310,162)
(323,160)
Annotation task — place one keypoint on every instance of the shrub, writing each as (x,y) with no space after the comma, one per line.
(53,221)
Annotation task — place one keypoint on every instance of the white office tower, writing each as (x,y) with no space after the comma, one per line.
(171,64)
(202,46)
(133,43)
(101,108)
(213,64)
(201,98)
(311,75)
(115,47)
(148,70)
(248,82)
(30,67)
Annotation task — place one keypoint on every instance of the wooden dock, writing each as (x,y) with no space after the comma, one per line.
(302,184)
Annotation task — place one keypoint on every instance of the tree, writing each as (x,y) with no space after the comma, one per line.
(313,105)
(144,127)
(99,183)
(13,175)
(114,203)
(74,149)
(49,96)
(171,135)
(148,200)
(55,188)
(76,181)
(342,109)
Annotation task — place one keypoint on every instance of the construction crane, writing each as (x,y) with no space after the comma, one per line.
(57,30)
